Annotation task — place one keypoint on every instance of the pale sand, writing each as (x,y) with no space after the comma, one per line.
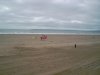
(28,55)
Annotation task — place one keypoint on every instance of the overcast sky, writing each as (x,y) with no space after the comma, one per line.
(50,14)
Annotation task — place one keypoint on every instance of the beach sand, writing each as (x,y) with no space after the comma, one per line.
(27,55)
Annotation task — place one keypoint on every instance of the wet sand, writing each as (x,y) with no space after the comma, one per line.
(28,55)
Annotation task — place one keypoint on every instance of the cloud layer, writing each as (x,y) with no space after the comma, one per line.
(50,14)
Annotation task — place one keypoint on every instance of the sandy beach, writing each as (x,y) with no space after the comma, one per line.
(27,54)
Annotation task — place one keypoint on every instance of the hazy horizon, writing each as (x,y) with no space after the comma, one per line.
(50,31)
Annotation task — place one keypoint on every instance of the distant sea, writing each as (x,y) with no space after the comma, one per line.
(49,31)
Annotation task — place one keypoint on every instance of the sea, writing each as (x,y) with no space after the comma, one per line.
(50,31)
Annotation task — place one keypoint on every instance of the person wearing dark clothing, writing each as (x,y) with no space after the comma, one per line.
(75,45)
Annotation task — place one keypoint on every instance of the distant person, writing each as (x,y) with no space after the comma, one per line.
(75,45)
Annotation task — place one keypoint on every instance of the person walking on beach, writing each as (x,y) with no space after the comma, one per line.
(75,45)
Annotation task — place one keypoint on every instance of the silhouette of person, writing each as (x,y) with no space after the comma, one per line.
(75,45)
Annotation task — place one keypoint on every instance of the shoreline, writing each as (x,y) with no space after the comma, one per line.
(46,34)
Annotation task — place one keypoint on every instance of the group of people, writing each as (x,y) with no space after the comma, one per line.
(43,37)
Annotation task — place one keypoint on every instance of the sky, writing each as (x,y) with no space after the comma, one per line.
(50,14)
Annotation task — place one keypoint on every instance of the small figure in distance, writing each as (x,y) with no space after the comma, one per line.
(75,45)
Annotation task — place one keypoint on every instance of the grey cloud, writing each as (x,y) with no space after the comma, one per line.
(63,13)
